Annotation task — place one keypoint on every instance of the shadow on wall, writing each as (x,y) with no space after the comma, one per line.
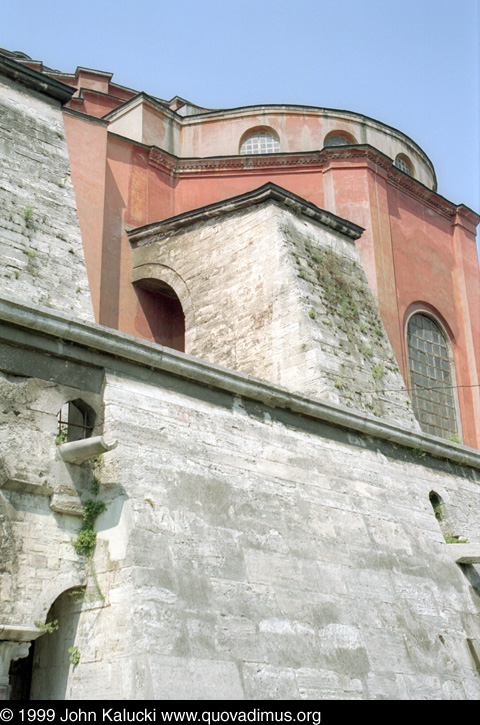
(51,660)
(160,316)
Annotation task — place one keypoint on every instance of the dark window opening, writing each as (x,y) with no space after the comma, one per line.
(20,676)
(160,315)
(437,504)
(75,421)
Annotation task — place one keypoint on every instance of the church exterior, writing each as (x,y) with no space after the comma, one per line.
(240,424)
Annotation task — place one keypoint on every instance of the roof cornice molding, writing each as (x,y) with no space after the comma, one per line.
(268,192)
(34,80)
(140,99)
(309,159)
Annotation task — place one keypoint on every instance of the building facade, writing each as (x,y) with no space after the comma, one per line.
(239,435)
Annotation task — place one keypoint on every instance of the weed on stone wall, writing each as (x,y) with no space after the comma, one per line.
(86,541)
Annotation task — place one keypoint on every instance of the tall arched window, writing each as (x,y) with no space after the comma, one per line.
(432,378)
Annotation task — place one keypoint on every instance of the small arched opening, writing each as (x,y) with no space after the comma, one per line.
(76,421)
(338,138)
(403,163)
(160,317)
(437,505)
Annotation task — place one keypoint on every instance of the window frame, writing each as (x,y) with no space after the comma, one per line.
(404,159)
(349,139)
(257,131)
(452,369)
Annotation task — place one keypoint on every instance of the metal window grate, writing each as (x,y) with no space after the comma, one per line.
(73,423)
(431,377)
(260,143)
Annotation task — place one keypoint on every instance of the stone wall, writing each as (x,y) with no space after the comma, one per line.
(270,291)
(251,549)
(41,254)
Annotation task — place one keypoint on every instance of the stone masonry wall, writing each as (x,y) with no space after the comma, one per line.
(250,553)
(275,295)
(41,254)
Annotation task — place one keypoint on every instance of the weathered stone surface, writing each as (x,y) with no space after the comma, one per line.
(41,254)
(273,293)
(256,543)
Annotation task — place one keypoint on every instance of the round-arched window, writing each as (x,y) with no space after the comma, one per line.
(338,138)
(260,142)
(432,377)
(404,164)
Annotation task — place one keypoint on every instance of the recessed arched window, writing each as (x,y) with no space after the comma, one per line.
(76,421)
(260,141)
(338,138)
(162,319)
(404,164)
(432,377)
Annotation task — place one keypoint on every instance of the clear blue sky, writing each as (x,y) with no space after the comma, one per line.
(413,64)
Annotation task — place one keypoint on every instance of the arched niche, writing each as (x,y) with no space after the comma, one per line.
(165,311)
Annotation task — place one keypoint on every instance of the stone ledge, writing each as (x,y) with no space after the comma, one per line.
(464,553)
(19,633)
(22,486)
(65,337)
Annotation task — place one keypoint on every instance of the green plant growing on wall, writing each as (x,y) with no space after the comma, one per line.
(454,438)
(28,214)
(454,539)
(74,655)
(48,627)
(61,437)
(378,371)
(312,314)
(86,540)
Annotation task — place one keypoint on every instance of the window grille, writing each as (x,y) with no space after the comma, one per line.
(75,422)
(431,377)
(260,143)
(403,165)
(337,141)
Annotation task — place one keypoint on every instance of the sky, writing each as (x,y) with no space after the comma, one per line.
(412,64)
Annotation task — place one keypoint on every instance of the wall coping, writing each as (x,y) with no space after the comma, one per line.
(53,333)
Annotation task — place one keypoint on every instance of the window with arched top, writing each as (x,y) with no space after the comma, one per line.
(403,163)
(338,138)
(259,141)
(76,421)
(432,377)
(161,318)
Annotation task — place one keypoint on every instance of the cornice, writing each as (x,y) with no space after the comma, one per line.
(181,167)
(268,192)
(39,82)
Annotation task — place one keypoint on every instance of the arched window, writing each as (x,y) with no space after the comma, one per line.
(260,141)
(338,138)
(432,378)
(404,164)
(76,421)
